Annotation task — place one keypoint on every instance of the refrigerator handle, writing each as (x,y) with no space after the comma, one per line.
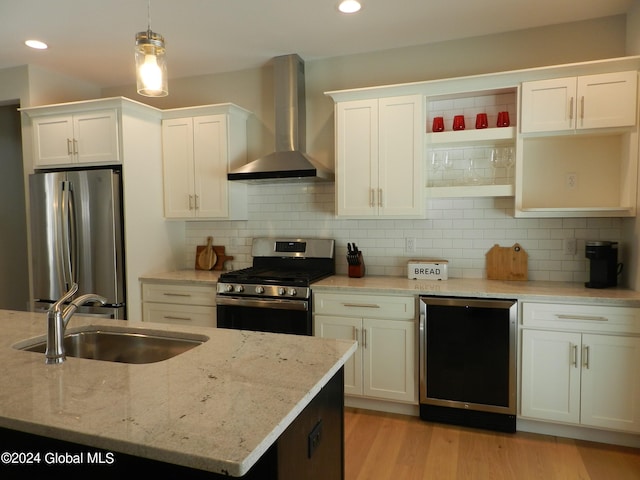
(73,237)
(65,228)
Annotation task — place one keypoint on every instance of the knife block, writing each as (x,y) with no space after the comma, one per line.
(357,270)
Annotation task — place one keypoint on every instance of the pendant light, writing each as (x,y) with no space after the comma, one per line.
(151,66)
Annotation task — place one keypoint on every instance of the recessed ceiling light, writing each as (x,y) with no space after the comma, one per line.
(349,6)
(37,44)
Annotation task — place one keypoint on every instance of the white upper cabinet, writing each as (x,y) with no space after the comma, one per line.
(379,157)
(178,168)
(589,101)
(80,138)
(198,152)
(578,148)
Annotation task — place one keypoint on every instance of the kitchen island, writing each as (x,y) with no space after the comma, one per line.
(238,402)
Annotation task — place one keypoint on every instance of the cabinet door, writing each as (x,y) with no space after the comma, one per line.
(179,293)
(178,170)
(357,158)
(53,140)
(611,382)
(96,137)
(389,360)
(349,329)
(196,315)
(210,165)
(607,100)
(400,184)
(551,375)
(548,105)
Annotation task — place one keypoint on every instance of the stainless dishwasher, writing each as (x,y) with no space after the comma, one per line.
(468,362)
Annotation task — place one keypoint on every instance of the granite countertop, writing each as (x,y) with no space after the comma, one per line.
(206,277)
(217,407)
(541,291)
(544,291)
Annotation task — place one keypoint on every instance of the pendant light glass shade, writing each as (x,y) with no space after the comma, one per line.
(151,66)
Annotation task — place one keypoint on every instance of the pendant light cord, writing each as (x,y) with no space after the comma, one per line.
(149,15)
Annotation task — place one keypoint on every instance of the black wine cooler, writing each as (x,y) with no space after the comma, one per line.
(468,362)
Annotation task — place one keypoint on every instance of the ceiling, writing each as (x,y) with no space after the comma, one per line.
(93,39)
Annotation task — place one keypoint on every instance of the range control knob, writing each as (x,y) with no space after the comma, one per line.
(228,288)
(281,291)
(259,289)
(239,288)
(292,292)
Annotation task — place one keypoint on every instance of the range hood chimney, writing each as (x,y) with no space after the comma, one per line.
(289,162)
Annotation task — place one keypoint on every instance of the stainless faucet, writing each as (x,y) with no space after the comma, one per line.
(58,317)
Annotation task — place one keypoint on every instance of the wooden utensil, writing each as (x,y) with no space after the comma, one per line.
(507,263)
(207,257)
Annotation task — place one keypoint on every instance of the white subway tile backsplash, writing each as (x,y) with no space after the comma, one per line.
(458,230)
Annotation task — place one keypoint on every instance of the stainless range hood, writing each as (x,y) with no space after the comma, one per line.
(289,162)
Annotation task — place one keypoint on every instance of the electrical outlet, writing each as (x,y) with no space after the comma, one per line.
(570,246)
(314,438)
(571,181)
(410,245)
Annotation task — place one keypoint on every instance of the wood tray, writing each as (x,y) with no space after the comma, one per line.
(219,249)
(507,263)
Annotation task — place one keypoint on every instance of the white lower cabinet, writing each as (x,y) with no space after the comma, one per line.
(383,367)
(179,304)
(586,370)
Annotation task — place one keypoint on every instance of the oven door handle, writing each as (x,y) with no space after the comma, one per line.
(280,304)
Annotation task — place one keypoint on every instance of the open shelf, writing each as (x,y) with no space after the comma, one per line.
(578,176)
(471,191)
(485,136)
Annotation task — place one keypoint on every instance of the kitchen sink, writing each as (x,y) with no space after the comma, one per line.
(125,345)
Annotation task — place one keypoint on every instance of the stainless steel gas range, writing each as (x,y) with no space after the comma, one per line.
(274,295)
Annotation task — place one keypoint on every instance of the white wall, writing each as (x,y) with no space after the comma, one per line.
(633,30)
(14,272)
(47,87)
(459,230)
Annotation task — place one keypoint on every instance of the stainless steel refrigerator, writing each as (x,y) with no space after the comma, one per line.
(77,237)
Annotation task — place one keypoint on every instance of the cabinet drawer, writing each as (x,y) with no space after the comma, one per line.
(179,314)
(180,294)
(584,318)
(369,306)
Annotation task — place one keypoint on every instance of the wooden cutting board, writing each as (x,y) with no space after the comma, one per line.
(507,263)
(220,256)
(206,257)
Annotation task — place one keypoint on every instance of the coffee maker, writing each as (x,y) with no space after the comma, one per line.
(603,264)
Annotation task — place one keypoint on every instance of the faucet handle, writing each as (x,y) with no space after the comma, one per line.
(70,293)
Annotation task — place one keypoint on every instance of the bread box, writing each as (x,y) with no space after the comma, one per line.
(427,269)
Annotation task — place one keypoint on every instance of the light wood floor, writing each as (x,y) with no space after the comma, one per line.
(380,446)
